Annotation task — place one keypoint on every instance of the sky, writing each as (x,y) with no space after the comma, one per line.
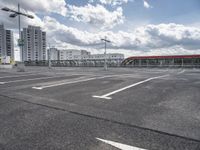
(134,27)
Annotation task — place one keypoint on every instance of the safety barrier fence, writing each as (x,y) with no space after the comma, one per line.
(73,63)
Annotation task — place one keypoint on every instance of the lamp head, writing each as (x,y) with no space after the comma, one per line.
(12,15)
(5,9)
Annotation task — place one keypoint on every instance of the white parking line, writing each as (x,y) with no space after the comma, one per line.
(28,79)
(64,83)
(106,96)
(77,81)
(120,145)
(18,75)
(181,72)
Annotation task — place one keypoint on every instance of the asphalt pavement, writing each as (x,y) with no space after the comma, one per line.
(89,108)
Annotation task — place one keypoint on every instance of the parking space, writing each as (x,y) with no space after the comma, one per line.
(30,79)
(161,101)
(85,87)
(27,126)
(21,77)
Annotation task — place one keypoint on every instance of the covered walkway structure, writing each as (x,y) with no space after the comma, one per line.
(190,61)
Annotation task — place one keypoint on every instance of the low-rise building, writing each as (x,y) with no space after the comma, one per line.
(83,58)
(70,54)
(85,55)
(53,53)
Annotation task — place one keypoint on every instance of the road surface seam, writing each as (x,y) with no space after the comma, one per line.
(104,119)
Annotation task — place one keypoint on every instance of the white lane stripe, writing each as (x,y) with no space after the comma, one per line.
(76,81)
(181,72)
(19,75)
(120,145)
(29,79)
(64,83)
(106,96)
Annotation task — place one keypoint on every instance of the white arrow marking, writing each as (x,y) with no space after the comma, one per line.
(120,145)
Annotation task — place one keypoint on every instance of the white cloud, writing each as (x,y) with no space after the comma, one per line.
(113,2)
(97,15)
(39,6)
(150,39)
(146,4)
(165,35)
(161,39)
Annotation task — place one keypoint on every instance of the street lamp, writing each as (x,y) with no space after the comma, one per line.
(105,60)
(18,13)
(49,56)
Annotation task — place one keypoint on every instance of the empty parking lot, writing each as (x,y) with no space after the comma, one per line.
(89,108)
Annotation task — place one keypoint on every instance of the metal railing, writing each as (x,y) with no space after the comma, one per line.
(110,63)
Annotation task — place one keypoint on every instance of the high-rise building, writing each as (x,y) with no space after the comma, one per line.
(34,48)
(6,43)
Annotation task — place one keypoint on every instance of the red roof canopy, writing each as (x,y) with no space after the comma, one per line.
(164,57)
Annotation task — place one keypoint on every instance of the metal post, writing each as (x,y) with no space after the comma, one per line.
(21,66)
(182,62)
(49,56)
(19,25)
(105,61)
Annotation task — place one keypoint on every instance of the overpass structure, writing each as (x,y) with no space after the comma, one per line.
(163,61)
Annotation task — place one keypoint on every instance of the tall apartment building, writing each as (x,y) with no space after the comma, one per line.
(6,43)
(34,48)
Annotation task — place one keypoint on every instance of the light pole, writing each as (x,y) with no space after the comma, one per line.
(18,13)
(49,56)
(105,60)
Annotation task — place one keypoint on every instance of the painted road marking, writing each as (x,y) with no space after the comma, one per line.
(64,83)
(181,72)
(19,75)
(120,145)
(76,81)
(29,79)
(106,96)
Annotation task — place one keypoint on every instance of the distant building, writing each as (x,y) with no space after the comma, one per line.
(109,56)
(53,53)
(85,55)
(70,54)
(72,57)
(6,43)
(34,48)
